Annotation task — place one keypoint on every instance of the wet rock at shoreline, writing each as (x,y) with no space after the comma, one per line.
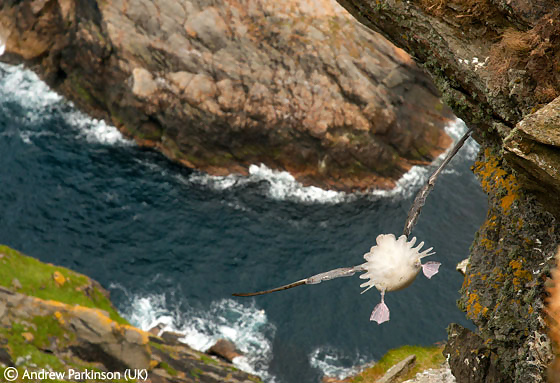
(225,349)
(74,327)
(299,86)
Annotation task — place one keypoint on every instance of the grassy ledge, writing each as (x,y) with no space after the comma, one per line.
(38,279)
(426,357)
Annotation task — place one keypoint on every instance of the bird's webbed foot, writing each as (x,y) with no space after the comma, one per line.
(380,313)
(430,269)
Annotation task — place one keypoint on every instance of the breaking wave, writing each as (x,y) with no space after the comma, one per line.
(245,325)
(412,180)
(281,185)
(334,363)
(23,87)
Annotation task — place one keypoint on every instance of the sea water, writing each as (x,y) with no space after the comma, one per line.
(173,244)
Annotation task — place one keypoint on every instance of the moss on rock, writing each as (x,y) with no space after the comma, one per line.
(38,279)
(55,319)
(503,291)
(426,357)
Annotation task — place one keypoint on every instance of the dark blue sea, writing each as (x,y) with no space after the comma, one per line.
(172,244)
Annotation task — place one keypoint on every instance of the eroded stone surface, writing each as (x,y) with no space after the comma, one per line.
(297,85)
(497,66)
(84,337)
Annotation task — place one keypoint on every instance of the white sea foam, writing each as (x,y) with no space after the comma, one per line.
(94,130)
(2,48)
(333,363)
(412,180)
(283,186)
(24,87)
(245,325)
(280,185)
(456,130)
(217,182)
(27,135)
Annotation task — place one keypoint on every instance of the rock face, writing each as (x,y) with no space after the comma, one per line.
(297,85)
(97,337)
(73,333)
(497,67)
(225,350)
(398,370)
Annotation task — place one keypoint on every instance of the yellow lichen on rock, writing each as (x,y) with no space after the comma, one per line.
(521,276)
(493,177)
(58,278)
(27,336)
(59,317)
(474,308)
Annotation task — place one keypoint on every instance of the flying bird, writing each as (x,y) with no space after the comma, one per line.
(392,264)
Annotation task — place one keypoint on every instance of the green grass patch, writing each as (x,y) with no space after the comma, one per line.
(47,327)
(36,279)
(195,373)
(170,370)
(19,347)
(426,357)
(208,360)
(44,330)
(157,345)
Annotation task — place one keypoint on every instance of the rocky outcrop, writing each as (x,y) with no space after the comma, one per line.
(434,375)
(225,350)
(297,85)
(553,311)
(66,331)
(497,65)
(532,146)
(405,364)
(398,370)
(96,337)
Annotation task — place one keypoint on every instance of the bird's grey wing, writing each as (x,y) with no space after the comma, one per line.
(420,199)
(336,273)
(313,280)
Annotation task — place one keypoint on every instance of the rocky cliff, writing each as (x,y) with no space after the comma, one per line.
(218,86)
(55,320)
(497,66)
(495,62)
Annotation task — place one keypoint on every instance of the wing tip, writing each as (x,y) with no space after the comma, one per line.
(247,294)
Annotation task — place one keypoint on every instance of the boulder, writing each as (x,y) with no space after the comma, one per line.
(398,370)
(97,337)
(57,334)
(298,85)
(225,349)
(533,145)
(5,358)
(172,337)
(462,266)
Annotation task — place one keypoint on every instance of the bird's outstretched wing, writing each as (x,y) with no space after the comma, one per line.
(420,199)
(318,278)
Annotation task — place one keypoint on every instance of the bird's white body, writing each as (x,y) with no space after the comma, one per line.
(392,265)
